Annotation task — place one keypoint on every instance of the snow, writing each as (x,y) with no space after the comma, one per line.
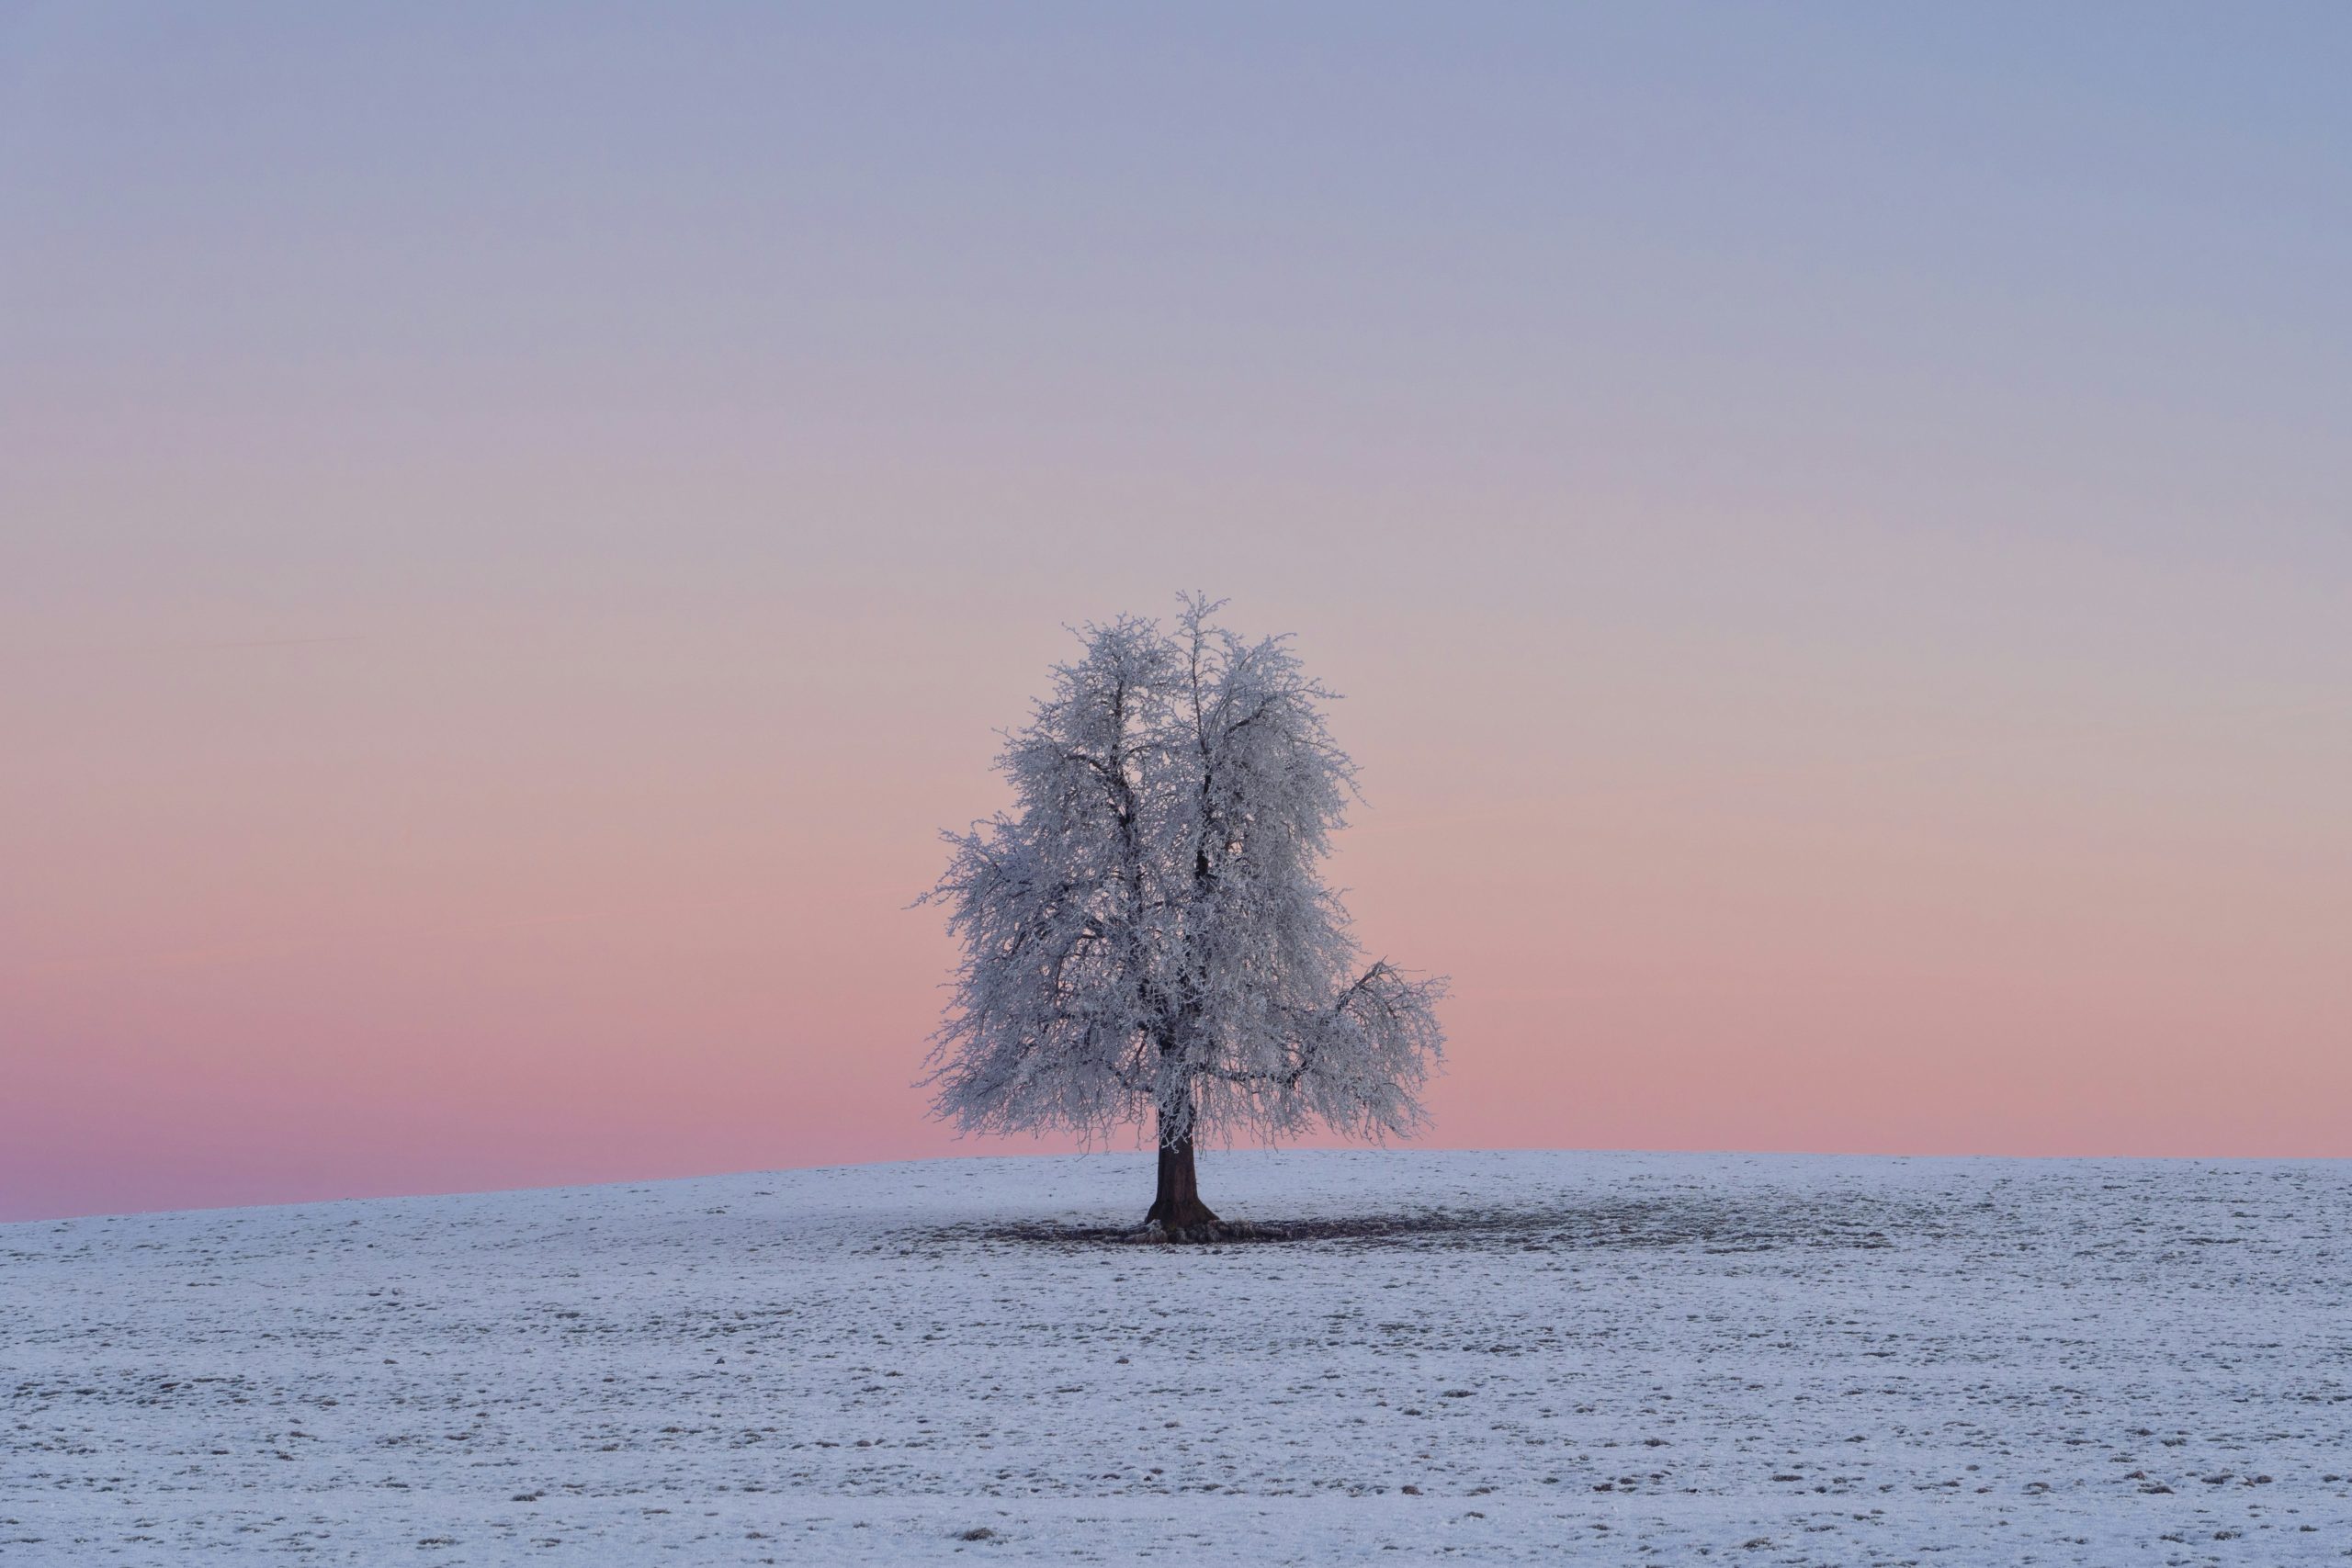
(1636,1358)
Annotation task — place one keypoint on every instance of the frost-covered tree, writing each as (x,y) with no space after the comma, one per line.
(1147,935)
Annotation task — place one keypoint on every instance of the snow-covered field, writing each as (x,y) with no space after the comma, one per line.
(1617,1359)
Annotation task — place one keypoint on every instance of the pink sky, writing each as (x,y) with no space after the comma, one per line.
(1835,548)
(611,882)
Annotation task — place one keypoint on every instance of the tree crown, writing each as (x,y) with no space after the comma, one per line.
(1146,930)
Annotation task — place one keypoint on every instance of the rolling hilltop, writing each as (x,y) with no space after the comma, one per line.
(1485,1356)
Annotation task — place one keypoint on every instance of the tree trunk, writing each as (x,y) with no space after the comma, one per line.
(1178,1211)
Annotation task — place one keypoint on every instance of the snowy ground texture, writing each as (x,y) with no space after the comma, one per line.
(1628,1359)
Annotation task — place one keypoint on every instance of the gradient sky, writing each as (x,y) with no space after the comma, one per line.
(517,527)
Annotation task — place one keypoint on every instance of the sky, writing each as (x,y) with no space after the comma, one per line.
(519,525)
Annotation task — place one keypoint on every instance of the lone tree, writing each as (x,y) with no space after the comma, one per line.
(1146,933)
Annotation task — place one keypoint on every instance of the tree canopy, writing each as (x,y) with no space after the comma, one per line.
(1146,933)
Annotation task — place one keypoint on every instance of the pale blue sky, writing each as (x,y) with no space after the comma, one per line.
(1725,245)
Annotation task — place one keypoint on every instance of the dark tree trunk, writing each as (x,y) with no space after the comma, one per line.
(1178,1211)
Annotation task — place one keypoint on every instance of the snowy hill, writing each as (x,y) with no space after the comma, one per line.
(1481,1356)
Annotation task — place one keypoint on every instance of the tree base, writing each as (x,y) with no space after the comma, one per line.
(1153,1233)
(1185,1222)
